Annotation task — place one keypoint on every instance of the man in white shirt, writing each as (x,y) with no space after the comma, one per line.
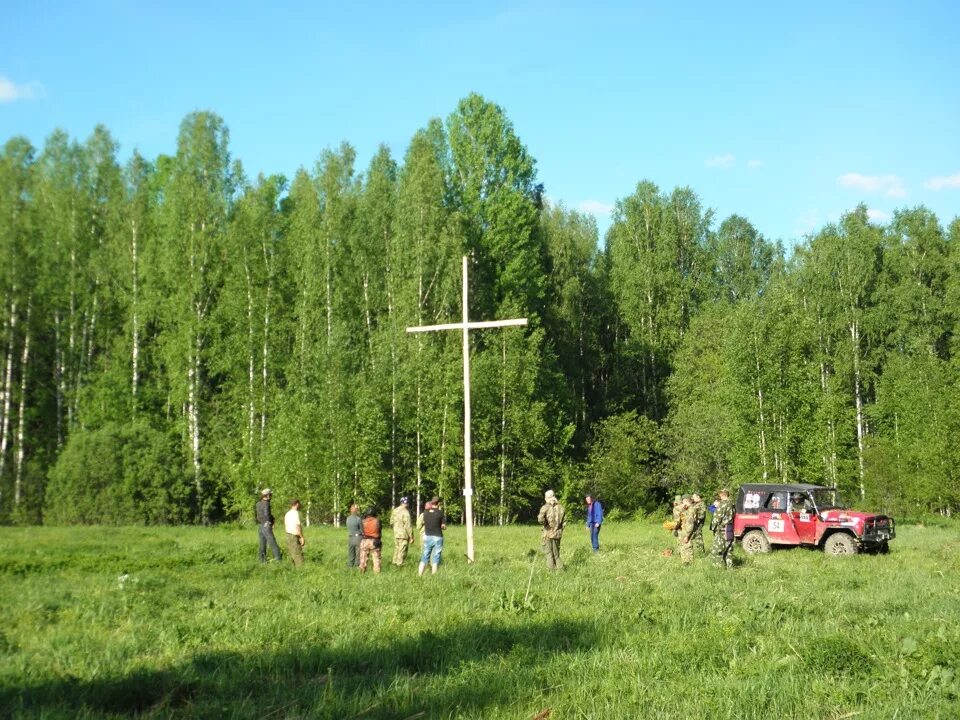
(294,533)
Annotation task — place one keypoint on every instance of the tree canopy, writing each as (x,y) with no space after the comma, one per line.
(174,335)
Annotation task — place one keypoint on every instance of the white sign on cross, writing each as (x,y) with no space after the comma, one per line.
(466,326)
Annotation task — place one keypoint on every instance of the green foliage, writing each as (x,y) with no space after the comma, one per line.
(254,332)
(118,475)
(623,466)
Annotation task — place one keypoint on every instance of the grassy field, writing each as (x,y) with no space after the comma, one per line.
(198,629)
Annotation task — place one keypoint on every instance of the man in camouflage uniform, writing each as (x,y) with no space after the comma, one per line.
(402,531)
(699,520)
(687,522)
(552,519)
(676,514)
(722,528)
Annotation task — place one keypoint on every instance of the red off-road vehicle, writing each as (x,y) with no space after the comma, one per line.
(809,515)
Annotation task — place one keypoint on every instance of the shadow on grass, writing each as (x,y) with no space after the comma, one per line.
(432,674)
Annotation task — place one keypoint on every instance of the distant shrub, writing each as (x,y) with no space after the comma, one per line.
(119,474)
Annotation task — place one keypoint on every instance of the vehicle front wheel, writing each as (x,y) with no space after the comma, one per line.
(840,544)
(755,542)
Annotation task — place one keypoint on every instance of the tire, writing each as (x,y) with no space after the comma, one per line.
(840,544)
(755,542)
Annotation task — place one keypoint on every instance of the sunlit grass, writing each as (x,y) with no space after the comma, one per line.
(183,622)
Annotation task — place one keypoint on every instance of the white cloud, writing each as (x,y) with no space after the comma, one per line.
(889,185)
(754,164)
(595,207)
(807,222)
(11,92)
(877,215)
(943,182)
(721,161)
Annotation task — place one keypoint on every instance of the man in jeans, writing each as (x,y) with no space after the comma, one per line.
(265,526)
(594,520)
(434,523)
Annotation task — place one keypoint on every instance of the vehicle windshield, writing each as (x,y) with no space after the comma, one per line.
(828,499)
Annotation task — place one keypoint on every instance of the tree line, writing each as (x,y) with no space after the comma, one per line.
(176,335)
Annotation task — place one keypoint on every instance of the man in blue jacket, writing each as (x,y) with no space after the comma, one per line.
(594,520)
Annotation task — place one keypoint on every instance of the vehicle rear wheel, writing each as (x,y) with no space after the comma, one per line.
(755,542)
(840,544)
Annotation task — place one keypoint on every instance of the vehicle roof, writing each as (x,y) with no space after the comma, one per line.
(780,487)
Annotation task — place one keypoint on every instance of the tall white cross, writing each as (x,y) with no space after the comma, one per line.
(466,326)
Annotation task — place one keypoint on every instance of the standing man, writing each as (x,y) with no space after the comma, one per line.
(722,527)
(699,520)
(677,500)
(354,535)
(594,520)
(434,523)
(265,526)
(552,518)
(370,542)
(402,531)
(685,538)
(291,522)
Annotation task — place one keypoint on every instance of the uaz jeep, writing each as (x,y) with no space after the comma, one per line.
(806,515)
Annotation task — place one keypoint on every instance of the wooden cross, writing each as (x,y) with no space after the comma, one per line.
(466,326)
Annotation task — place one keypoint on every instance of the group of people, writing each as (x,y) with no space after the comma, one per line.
(364,532)
(689,517)
(553,519)
(365,535)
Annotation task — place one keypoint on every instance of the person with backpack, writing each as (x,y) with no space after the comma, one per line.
(370,540)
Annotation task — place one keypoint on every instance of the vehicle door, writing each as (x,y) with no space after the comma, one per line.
(804,519)
(779,528)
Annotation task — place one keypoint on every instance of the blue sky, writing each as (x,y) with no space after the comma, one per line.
(788,115)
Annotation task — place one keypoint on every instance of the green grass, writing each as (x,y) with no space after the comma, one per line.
(200,630)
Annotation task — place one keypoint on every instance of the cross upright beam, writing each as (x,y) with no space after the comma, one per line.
(465,327)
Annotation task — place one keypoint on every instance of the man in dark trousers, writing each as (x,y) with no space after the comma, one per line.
(265,526)
(594,520)
(354,535)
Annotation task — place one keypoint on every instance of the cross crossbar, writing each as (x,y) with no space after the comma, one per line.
(469,326)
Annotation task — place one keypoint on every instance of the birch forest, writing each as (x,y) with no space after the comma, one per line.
(175,334)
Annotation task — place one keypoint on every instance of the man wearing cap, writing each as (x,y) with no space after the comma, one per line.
(354,535)
(265,526)
(552,519)
(677,500)
(291,522)
(402,531)
(434,523)
(722,527)
(699,520)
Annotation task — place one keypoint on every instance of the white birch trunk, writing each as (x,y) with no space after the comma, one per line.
(762,433)
(266,365)
(22,413)
(858,400)
(58,377)
(135,333)
(251,370)
(7,391)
